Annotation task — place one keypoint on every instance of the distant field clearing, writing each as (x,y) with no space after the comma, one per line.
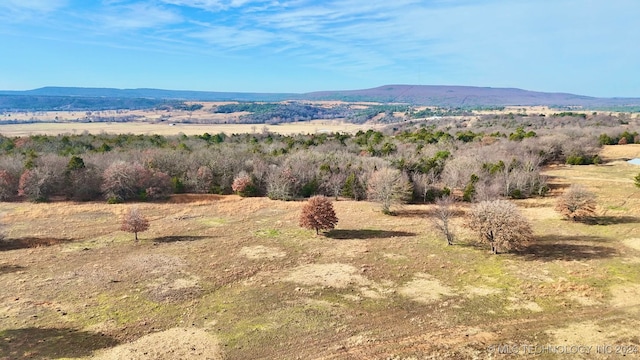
(308,127)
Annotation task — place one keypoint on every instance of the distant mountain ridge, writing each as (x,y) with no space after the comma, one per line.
(434,95)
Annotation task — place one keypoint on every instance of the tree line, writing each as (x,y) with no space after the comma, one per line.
(417,162)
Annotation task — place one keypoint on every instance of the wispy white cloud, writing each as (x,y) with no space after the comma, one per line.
(15,11)
(231,38)
(33,5)
(481,42)
(213,5)
(138,16)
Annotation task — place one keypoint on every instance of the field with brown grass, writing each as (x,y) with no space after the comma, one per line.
(236,278)
(167,129)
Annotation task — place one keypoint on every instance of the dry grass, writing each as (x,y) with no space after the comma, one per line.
(240,273)
(620,152)
(147,128)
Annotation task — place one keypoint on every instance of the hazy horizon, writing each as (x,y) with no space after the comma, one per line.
(299,46)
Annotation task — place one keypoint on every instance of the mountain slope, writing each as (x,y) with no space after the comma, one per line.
(445,96)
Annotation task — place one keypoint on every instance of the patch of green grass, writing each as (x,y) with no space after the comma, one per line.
(122,309)
(620,271)
(281,324)
(270,233)
(477,309)
(618,208)
(212,221)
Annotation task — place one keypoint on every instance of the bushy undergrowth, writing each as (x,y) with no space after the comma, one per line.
(497,157)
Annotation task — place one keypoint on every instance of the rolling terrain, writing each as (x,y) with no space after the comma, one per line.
(236,278)
(71,98)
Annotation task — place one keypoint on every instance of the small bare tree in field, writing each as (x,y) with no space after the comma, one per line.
(388,187)
(577,203)
(134,222)
(499,223)
(443,214)
(318,214)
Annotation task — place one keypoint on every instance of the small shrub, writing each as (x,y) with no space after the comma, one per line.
(577,203)
(499,223)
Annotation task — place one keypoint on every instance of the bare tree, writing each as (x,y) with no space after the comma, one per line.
(388,187)
(443,214)
(124,181)
(11,168)
(280,183)
(500,224)
(334,182)
(202,179)
(577,203)
(8,186)
(318,214)
(423,183)
(134,222)
(44,179)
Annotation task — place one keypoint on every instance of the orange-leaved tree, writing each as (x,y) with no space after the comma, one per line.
(318,214)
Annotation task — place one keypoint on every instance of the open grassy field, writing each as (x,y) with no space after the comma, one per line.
(150,128)
(236,278)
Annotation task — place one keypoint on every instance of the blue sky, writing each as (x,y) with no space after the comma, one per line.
(589,47)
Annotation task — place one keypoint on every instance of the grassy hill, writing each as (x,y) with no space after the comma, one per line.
(236,278)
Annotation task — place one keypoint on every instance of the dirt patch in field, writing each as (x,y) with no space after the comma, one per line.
(348,249)
(592,333)
(178,289)
(425,289)
(473,291)
(520,304)
(153,263)
(626,296)
(176,343)
(583,300)
(333,275)
(262,252)
(633,243)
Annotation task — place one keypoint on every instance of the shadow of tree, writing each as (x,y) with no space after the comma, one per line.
(5,269)
(51,343)
(177,238)
(425,213)
(366,234)
(470,244)
(612,220)
(549,248)
(30,242)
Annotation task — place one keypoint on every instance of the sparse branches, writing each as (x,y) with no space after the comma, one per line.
(280,183)
(443,213)
(8,186)
(203,180)
(577,203)
(389,187)
(124,181)
(500,224)
(318,214)
(134,222)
